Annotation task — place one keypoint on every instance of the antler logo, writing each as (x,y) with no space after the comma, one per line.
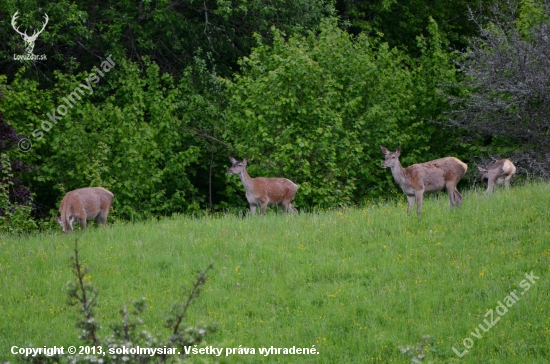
(28,39)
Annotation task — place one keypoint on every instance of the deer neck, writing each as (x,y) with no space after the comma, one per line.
(398,173)
(246,180)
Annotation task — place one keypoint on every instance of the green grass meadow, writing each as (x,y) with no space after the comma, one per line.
(357,283)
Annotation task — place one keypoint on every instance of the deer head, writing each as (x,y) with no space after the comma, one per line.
(237,167)
(392,158)
(483,172)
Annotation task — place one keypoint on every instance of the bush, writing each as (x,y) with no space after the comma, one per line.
(15,198)
(504,99)
(130,333)
(315,109)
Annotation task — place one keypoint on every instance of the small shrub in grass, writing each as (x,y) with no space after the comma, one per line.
(121,345)
(419,352)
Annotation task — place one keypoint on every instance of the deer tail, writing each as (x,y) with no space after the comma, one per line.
(65,215)
(65,212)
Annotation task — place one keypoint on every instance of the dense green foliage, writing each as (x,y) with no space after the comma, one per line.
(318,116)
(168,32)
(15,215)
(400,22)
(307,89)
(15,198)
(130,136)
(358,283)
(504,92)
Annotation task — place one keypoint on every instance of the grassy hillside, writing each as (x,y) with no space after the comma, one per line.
(359,284)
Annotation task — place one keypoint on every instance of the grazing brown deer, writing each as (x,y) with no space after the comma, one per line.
(84,204)
(499,172)
(430,176)
(262,191)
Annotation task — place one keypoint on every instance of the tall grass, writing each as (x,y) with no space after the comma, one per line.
(359,283)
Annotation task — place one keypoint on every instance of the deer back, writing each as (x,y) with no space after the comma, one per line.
(273,189)
(85,203)
(503,167)
(434,175)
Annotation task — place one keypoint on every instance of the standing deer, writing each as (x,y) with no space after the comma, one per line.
(29,40)
(499,172)
(264,191)
(84,204)
(430,176)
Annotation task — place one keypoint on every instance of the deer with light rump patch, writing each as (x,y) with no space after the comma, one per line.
(430,176)
(84,204)
(262,191)
(499,172)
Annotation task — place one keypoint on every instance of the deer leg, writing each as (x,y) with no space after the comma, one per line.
(101,219)
(490,185)
(418,196)
(287,207)
(410,201)
(451,187)
(458,198)
(82,223)
(490,182)
(72,219)
(67,225)
(252,209)
(507,182)
(292,209)
(263,207)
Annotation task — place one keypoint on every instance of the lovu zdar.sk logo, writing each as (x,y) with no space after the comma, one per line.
(29,41)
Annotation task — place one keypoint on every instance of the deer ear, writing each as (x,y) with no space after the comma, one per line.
(398,151)
(481,169)
(245,160)
(232,160)
(384,150)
